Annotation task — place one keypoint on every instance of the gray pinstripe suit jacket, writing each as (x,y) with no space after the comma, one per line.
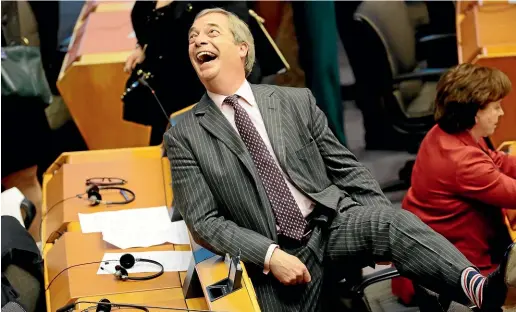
(218,191)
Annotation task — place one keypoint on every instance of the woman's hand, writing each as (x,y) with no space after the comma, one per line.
(136,57)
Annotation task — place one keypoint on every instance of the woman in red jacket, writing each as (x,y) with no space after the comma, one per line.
(459,187)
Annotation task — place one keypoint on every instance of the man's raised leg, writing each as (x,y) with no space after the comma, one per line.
(369,234)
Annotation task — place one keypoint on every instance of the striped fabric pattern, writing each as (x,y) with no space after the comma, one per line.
(218,192)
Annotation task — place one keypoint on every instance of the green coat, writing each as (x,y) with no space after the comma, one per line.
(316,31)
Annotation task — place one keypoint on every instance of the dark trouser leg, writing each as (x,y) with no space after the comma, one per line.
(367,234)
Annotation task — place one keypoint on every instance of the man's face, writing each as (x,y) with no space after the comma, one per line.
(487,118)
(212,48)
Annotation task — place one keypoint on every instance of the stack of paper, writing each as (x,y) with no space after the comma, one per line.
(135,227)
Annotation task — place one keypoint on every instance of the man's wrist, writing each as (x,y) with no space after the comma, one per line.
(268,256)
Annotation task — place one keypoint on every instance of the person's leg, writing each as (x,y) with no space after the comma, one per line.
(366,235)
(316,32)
(27,182)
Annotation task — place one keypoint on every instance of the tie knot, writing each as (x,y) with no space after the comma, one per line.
(231,100)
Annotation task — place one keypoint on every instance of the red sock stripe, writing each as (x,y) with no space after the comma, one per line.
(471,288)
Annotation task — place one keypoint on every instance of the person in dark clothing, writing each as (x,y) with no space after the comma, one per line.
(24,121)
(161,29)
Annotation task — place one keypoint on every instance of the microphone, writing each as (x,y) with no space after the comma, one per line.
(143,81)
(105,305)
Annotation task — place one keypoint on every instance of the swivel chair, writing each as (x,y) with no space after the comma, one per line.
(427,300)
(395,91)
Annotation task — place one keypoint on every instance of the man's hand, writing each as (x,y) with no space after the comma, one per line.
(289,270)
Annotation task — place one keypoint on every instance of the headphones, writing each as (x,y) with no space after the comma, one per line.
(127,261)
(95,185)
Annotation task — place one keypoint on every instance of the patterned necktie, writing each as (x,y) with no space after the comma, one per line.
(288,215)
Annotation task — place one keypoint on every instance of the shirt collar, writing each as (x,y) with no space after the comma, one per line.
(245,92)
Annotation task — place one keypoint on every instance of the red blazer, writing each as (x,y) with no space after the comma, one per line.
(458,188)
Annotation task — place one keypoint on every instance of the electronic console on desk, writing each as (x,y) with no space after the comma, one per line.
(228,285)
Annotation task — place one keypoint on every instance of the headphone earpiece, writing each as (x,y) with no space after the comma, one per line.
(103,307)
(94,196)
(121,273)
(127,261)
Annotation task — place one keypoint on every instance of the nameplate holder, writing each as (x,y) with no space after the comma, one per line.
(228,285)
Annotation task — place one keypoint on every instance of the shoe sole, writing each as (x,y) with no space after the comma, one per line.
(510,277)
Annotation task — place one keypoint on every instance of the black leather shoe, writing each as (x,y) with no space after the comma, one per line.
(500,286)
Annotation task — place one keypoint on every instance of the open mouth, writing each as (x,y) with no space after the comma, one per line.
(205,57)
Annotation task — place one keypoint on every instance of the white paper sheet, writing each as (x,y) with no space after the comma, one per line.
(156,217)
(172,261)
(174,233)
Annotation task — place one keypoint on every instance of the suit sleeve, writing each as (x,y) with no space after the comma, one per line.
(506,163)
(480,179)
(341,165)
(196,203)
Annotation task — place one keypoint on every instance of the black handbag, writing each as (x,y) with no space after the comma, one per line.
(136,95)
(23,74)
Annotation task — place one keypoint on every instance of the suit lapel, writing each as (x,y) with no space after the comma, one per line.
(212,119)
(270,109)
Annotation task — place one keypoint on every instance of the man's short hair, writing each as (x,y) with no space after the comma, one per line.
(463,91)
(241,34)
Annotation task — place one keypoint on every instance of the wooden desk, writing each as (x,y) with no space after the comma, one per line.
(144,177)
(82,281)
(73,247)
(92,79)
(483,38)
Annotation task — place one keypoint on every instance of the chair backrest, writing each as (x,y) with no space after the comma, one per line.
(173,120)
(391,22)
(22,271)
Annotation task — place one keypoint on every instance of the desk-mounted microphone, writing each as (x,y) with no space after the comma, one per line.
(143,81)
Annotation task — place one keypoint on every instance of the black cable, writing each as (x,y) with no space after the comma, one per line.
(48,211)
(73,266)
(71,306)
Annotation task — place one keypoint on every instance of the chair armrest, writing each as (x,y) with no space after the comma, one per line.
(28,212)
(374,278)
(437,37)
(429,74)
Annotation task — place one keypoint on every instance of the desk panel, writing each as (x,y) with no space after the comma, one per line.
(171,297)
(82,281)
(144,177)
